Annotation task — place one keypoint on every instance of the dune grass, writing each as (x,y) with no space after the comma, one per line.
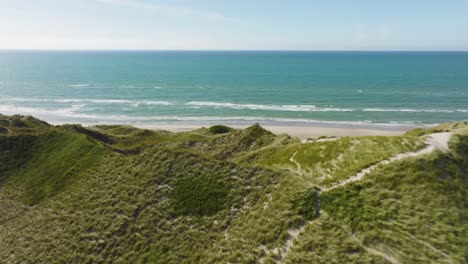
(117,194)
(412,210)
(328,162)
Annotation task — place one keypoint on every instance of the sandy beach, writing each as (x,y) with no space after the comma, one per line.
(302,132)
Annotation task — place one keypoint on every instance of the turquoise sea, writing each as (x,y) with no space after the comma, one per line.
(287,87)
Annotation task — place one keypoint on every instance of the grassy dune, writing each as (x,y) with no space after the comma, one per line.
(117,194)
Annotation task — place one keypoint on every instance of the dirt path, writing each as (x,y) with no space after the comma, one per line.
(293,235)
(437,141)
(440,141)
(298,165)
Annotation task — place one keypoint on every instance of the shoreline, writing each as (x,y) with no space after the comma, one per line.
(301,131)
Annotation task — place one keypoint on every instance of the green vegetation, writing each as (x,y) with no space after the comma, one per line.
(415,209)
(328,162)
(72,157)
(308,204)
(118,194)
(200,195)
(220,129)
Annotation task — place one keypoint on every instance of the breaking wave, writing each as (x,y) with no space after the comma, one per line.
(292,108)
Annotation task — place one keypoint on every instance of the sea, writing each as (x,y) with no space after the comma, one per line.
(330,88)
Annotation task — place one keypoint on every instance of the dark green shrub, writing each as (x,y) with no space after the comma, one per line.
(202,195)
(219,129)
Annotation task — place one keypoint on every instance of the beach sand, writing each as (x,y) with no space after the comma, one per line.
(302,132)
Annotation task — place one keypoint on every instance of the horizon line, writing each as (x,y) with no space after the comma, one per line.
(250,50)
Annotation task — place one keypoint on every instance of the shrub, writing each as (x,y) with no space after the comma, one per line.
(220,129)
(203,195)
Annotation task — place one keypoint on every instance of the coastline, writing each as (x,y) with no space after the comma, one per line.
(301,131)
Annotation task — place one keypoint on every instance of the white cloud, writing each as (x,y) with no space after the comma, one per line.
(169,9)
(159,40)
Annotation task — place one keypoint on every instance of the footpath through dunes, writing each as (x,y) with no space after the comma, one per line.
(435,141)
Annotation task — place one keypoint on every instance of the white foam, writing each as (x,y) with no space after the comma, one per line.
(101,101)
(138,103)
(293,108)
(156,103)
(72,114)
(11,102)
(24,100)
(79,85)
(12,109)
(76,100)
(202,104)
(104,101)
(407,110)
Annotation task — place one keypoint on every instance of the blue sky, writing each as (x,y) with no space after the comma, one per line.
(235,24)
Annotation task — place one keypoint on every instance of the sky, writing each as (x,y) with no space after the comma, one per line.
(234,24)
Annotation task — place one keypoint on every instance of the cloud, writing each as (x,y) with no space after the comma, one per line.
(169,9)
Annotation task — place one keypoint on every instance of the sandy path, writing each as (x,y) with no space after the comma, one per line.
(298,165)
(437,141)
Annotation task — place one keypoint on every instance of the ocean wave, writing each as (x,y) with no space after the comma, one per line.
(79,85)
(279,120)
(292,108)
(220,105)
(97,101)
(36,100)
(104,101)
(13,109)
(72,114)
(234,119)
(408,110)
(156,103)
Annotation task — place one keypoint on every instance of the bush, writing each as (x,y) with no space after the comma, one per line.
(203,195)
(220,129)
